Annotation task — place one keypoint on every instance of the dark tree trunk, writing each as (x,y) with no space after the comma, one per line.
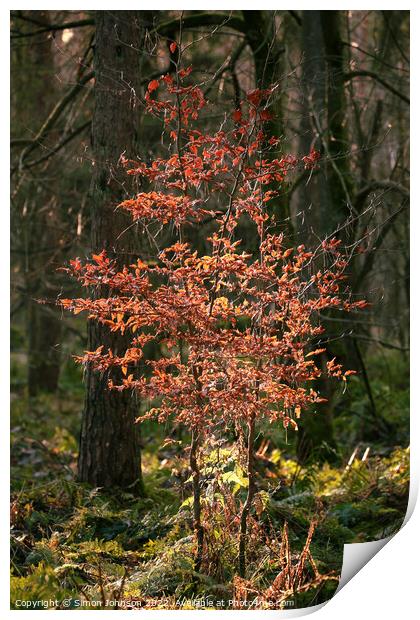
(316,431)
(109,440)
(324,123)
(339,177)
(312,200)
(323,200)
(40,215)
(262,38)
(269,63)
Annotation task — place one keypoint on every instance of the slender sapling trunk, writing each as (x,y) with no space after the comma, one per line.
(250,496)
(198,528)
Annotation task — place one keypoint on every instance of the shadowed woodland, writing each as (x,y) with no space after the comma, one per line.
(221,201)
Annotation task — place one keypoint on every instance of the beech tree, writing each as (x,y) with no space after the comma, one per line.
(237,330)
(356,60)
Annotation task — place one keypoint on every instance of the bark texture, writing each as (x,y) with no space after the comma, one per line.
(320,204)
(109,440)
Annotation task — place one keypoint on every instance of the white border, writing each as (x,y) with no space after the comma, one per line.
(387,585)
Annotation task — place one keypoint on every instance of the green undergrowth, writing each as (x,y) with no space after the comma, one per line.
(87,547)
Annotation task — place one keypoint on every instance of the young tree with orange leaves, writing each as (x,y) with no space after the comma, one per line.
(238,329)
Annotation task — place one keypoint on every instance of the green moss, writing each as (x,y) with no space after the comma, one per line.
(66,534)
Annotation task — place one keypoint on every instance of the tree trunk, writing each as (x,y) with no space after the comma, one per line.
(109,440)
(198,527)
(316,430)
(338,170)
(269,55)
(243,532)
(318,204)
(39,216)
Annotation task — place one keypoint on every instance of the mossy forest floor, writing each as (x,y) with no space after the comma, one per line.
(87,547)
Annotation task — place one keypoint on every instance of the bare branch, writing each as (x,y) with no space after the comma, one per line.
(81,23)
(60,145)
(202,19)
(382,343)
(355,74)
(54,115)
(375,185)
(296,17)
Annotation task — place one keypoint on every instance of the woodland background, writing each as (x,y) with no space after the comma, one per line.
(86,526)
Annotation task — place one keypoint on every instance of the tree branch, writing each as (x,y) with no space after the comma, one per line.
(296,17)
(202,19)
(229,64)
(355,74)
(395,38)
(374,185)
(81,23)
(54,115)
(19,142)
(357,48)
(382,343)
(59,146)
(370,258)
